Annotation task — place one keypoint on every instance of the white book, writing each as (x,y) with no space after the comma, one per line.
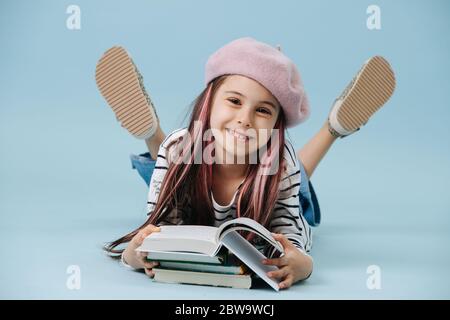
(208,241)
(202,278)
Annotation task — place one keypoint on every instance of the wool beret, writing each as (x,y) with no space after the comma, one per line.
(266,65)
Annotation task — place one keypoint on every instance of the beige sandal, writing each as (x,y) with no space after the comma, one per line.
(121,84)
(369,90)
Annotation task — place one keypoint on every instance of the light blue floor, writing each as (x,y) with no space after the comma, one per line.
(66,185)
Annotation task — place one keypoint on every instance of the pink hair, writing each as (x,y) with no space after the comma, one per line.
(190,184)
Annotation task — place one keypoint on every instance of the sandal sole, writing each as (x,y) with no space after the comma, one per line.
(373,86)
(119,84)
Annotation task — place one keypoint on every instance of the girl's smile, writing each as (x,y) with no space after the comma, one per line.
(239,135)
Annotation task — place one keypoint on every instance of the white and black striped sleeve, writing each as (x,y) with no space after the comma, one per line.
(287,218)
(160,170)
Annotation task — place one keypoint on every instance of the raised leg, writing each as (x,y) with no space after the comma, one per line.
(316,148)
(154,142)
(368,91)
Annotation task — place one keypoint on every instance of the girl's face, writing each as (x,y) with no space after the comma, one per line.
(243,114)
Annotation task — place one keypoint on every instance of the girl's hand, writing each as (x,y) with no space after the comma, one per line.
(293,266)
(138,260)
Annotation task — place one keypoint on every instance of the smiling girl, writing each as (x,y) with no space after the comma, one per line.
(252,94)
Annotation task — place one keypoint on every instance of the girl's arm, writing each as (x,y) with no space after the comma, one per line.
(287,216)
(290,228)
(157,178)
(293,265)
(138,260)
(159,172)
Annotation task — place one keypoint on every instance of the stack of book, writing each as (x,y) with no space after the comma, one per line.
(203,255)
(221,270)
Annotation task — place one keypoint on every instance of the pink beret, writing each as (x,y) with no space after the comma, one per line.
(267,65)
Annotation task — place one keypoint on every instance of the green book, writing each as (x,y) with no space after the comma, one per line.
(179,256)
(230,265)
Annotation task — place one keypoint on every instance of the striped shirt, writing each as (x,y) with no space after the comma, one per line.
(287,215)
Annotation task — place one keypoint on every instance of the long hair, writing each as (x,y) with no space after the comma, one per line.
(189,184)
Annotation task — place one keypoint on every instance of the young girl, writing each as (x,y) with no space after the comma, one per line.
(251,89)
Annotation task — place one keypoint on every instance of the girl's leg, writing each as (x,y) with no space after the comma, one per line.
(316,148)
(368,91)
(154,142)
(133,107)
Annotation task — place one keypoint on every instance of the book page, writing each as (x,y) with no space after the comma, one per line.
(249,255)
(248,225)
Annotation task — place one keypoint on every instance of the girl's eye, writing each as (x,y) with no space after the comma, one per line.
(263,110)
(234,101)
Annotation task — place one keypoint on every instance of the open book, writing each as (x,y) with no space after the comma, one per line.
(208,241)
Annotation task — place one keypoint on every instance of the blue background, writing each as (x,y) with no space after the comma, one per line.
(66,184)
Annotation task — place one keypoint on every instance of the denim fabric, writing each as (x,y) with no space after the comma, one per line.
(308,199)
(144,165)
